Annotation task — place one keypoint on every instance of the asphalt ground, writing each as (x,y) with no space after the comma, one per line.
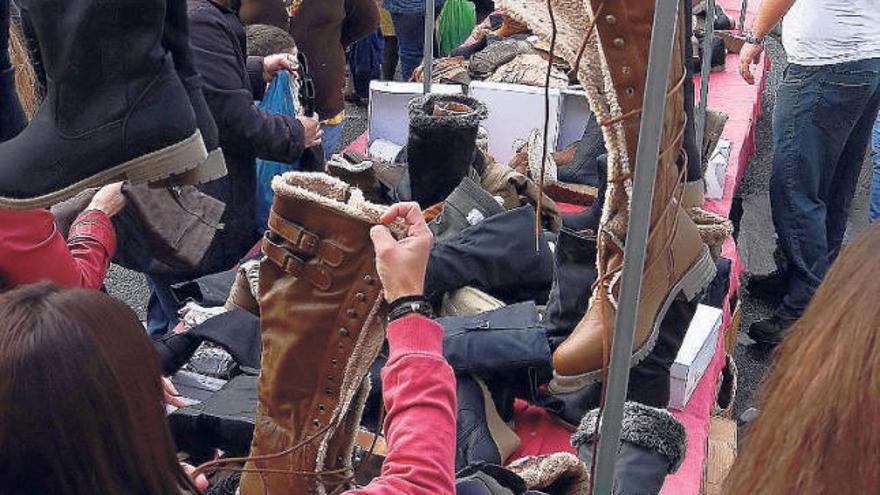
(756,235)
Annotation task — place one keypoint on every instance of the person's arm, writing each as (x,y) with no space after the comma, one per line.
(32,249)
(242,125)
(361,19)
(769,14)
(418,386)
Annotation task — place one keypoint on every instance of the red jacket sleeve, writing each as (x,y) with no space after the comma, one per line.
(32,249)
(419,392)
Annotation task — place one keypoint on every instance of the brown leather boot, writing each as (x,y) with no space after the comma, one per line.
(321,321)
(612,66)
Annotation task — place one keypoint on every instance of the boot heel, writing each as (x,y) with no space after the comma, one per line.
(213,168)
(700,275)
(162,164)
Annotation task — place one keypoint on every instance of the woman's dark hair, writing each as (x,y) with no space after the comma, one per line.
(80,398)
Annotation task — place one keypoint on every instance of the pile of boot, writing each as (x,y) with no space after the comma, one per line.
(105,114)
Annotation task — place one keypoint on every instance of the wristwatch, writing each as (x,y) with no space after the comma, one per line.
(751,39)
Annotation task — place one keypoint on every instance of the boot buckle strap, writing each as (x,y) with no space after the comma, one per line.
(293,265)
(305,241)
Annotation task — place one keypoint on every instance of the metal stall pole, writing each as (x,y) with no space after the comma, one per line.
(428,60)
(654,107)
(742,16)
(706,68)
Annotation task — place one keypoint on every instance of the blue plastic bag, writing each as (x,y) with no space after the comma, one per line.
(277,100)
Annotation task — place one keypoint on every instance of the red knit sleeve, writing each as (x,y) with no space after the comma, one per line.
(418,387)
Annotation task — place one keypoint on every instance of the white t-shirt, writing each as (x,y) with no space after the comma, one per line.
(823,32)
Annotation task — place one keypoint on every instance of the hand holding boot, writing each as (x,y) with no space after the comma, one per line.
(108,200)
(401,264)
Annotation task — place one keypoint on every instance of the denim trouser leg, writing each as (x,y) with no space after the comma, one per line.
(162,307)
(821,128)
(874,211)
(331,137)
(410,31)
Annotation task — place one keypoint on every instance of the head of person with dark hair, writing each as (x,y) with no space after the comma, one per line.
(81,407)
(817,429)
(264,40)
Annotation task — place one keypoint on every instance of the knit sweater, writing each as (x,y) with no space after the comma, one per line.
(418,388)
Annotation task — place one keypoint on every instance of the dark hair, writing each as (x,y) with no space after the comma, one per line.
(817,431)
(264,40)
(80,398)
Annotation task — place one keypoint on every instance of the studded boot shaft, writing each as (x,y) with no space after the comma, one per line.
(612,65)
(321,324)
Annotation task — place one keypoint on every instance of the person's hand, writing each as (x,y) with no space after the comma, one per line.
(200,481)
(170,394)
(109,199)
(280,61)
(748,56)
(402,264)
(313,130)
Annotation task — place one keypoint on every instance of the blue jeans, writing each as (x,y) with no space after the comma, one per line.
(410,31)
(331,137)
(821,128)
(874,207)
(162,307)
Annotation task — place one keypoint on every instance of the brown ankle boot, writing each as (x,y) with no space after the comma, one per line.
(321,322)
(613,69)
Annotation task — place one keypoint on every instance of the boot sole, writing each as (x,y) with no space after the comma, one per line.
(213,168)
(691,285)
(152,167)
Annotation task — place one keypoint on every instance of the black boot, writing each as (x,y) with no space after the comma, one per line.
(12,118)
(693,181)
(585,166)
(769,333)
(481,435)
(442,144)
(115,108)
(176,41)
(652,446)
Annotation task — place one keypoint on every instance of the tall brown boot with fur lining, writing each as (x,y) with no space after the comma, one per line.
(322,315)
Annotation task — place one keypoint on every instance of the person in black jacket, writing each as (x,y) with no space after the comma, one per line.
(232,82)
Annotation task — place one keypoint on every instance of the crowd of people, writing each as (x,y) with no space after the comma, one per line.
(94,103)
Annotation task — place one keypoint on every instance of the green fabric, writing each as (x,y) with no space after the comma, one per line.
(457,19)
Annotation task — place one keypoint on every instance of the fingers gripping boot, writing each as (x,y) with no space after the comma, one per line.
(321,324)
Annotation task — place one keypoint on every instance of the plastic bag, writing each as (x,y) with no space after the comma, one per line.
(278,99)
(457,19)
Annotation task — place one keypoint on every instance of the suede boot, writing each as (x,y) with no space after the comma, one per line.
(677,262)
(469,204)
(115,108)
(442,146)
(176,41)
(12,117)
(652,446)
(321,323)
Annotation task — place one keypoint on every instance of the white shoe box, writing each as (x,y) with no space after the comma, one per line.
(388,111)
(695,354)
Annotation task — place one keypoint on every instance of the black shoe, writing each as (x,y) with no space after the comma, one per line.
(770,288)
(12,118)
(481,435)
(115,108)
(768,333)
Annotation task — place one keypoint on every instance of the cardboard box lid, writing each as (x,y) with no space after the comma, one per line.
(706,320)
(514,110)
(388,113)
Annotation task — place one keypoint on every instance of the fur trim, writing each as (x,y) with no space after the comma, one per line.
(332,193)
(562,471)
(421,107)
(645,426)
